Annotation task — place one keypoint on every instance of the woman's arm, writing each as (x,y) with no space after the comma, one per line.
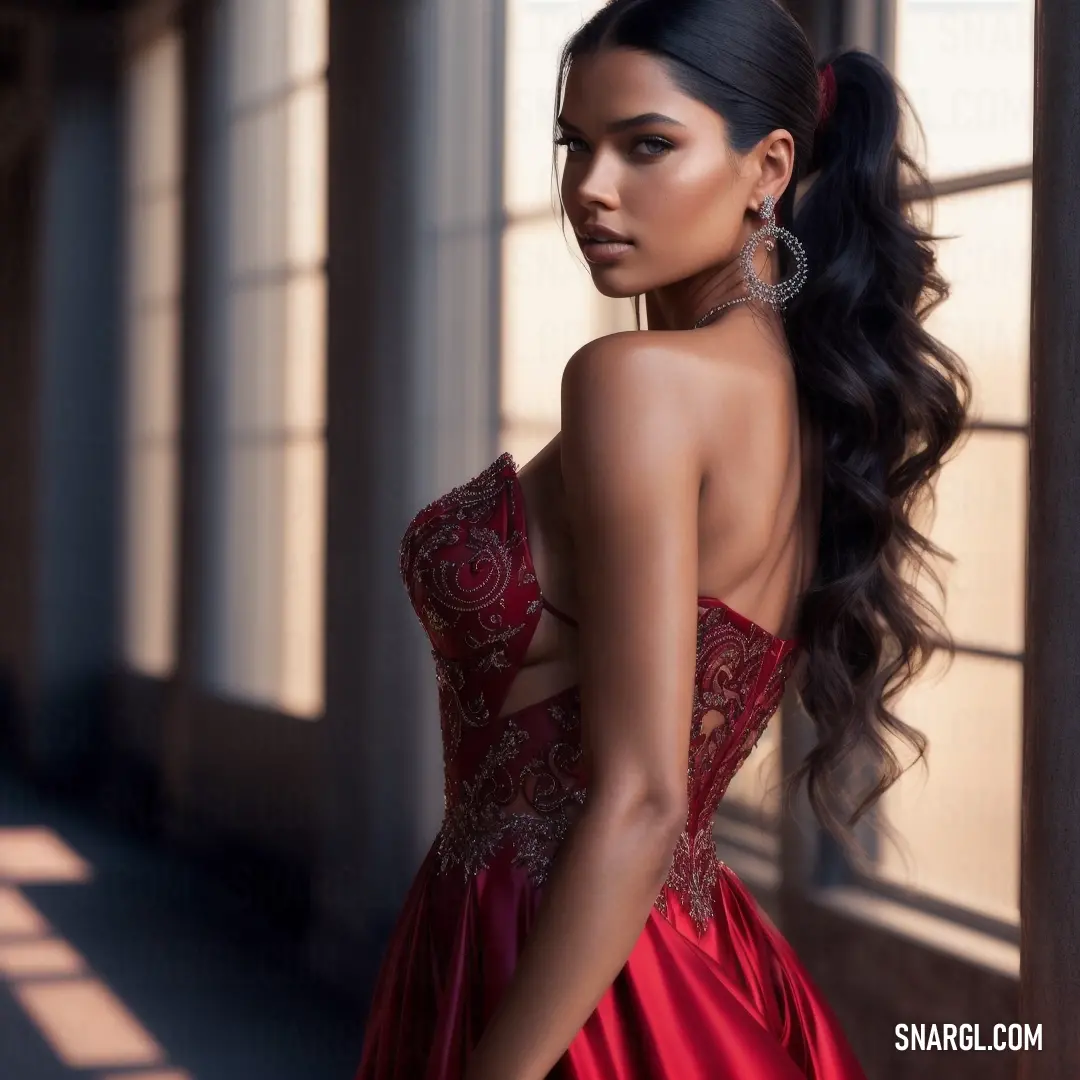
(632,475)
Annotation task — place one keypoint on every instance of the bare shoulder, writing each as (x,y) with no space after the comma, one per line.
(629,360)
(675,396)
(624,400)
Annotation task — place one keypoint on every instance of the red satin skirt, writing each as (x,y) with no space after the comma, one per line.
(735,1004)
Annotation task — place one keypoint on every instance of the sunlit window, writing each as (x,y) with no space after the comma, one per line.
(150,461)
(968,70)
(265,369)
(550,306)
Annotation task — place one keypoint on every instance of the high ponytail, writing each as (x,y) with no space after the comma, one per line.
(889,399)
(891,402)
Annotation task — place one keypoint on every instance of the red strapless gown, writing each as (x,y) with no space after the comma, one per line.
(711,989)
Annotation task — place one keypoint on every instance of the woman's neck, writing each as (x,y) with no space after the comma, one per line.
(678,307)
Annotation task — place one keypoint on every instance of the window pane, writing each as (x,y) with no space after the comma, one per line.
(242,654)
(153,373)
(274,45)
(253,367)
(304,379)
(153,97)
(266,643)
(151,474)
(981,519)
(961,824)
(275,367)
(536,32)
(968,69)
(259,159)
(279,184)
(151,404)
(306,196)
(550,309)
(154,246)
(309,25)
(304,515)
(986,318)
(548,314)
(266,358)
(259,50)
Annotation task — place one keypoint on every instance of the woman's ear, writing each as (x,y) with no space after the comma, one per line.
(776,163)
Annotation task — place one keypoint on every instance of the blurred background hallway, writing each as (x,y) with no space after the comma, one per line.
(119,959)
(273,274)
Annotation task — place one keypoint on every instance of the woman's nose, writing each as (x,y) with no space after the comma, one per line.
(599,184)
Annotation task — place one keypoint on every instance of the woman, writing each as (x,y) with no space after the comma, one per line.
(725,508)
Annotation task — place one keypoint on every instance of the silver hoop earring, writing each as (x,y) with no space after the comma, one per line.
(779,294)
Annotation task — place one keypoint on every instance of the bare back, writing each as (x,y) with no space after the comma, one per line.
(758,511)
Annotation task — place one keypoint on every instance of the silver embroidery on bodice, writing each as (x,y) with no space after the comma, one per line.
(515,784)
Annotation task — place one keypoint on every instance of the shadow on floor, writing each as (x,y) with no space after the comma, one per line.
(122,959)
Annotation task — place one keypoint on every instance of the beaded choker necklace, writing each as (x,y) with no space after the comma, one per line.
(711,314)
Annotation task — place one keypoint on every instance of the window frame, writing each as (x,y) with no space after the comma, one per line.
(933,189)
(144,26)
(177,746)
(921,958)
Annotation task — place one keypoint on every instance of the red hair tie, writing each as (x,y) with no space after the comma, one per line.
(827,93)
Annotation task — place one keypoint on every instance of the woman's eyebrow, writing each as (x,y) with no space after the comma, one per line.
(630,122)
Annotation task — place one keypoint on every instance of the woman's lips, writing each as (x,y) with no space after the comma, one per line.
(605,251)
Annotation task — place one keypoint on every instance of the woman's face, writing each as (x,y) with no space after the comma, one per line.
(652,165)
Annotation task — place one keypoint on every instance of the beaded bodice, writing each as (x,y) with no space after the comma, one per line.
(514,783)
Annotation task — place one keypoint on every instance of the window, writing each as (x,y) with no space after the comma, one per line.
(968,69)
(150,455)
(550,307)
(264,203)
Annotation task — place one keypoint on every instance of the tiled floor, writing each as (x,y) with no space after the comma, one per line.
(120,959)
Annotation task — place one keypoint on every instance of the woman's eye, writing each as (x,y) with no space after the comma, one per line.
(657,146)
(566,141)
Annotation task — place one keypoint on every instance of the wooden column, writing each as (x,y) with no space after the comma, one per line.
(1050,863)
(77,376)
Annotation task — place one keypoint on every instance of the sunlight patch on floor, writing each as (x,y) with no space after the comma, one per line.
(26,959)
(37,856)
(18,917)
(84,1023)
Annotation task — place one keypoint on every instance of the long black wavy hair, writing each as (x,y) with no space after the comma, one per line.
(890,399)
